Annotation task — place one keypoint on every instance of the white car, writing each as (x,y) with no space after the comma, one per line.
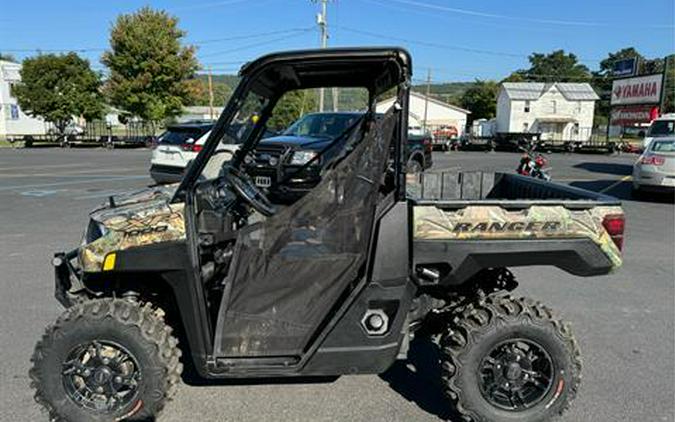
(660,127)
(175,149)
(655,169)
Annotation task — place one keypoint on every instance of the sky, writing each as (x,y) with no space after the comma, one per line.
(456,40)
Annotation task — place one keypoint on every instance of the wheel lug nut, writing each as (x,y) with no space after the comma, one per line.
(106,361)
(118,379)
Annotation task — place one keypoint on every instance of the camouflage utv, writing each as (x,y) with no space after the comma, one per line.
(211,273)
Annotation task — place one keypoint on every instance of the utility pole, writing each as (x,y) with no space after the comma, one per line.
(321,20)
(664,86)
(211,114)
(426,99)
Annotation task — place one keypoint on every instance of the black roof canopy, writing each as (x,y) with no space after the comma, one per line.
(376,68)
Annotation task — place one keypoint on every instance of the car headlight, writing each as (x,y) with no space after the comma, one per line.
(302,157)
(94,231)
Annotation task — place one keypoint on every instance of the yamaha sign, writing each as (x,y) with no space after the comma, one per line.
(638,90)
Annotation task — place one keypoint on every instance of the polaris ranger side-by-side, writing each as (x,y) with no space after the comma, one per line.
(336,283)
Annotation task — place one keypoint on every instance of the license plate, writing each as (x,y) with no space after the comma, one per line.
(263,181)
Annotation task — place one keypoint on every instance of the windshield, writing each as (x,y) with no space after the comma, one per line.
(237,132)
(662,128)
(664,147)
(182,135)
(322,125)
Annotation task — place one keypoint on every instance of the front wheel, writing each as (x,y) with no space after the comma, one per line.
(507,359)
(105,360)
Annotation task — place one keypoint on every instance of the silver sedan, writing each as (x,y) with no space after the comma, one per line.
(655,169)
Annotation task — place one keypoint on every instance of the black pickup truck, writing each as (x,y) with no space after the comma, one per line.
(212,273)
(287,167)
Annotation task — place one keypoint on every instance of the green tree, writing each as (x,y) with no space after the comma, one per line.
(481,99)
(150,69)
(669,86)
(58,87)
(602,80)
(557,66)
(8,57)
(291,107)
(200,93)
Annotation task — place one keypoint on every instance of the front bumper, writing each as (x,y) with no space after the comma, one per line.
(67,277)
(166,174)
(291,189)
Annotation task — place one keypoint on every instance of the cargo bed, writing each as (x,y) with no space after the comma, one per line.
(467,221)
(459,189)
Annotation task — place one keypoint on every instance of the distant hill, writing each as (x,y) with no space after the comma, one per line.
(450,92)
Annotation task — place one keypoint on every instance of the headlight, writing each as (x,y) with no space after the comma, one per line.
(94,231)
(302,157)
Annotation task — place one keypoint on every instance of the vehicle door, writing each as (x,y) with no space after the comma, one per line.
(292,269)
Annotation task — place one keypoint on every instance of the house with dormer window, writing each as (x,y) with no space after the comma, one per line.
(555,111)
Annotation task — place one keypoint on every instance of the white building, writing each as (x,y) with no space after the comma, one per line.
(558,111)
(438,113)
(13,121)
(199,113)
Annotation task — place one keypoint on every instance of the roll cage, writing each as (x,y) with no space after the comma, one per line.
(376,69)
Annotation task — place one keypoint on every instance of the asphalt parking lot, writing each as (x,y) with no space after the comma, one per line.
(624,322)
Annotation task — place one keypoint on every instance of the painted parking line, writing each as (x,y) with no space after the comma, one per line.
(103,194)
(43,166)
(74,182)
(617,183)
(79,173)
(39,193)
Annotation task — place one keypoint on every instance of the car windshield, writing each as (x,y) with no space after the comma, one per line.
(182,135)
(662,128)
(322,125)
(664,147)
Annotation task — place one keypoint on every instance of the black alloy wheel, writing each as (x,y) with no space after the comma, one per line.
(102,376)
(516,374)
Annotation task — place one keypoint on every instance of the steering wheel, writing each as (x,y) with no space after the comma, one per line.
(249,192)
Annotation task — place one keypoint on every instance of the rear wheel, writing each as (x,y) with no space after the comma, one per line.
(508,359)
(107,359)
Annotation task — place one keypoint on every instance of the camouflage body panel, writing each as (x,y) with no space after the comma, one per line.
(535,222)
(137,219)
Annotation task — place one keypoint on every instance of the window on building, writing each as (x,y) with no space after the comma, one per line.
(525,127)
(554,106)
(14,112)
(575,130)
(578,106)
(527,106)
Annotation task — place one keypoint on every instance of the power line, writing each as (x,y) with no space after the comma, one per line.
(240,37)
(477,13)
(208,5)
(452,47)
(256,44)
(434,45)
(198,42)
